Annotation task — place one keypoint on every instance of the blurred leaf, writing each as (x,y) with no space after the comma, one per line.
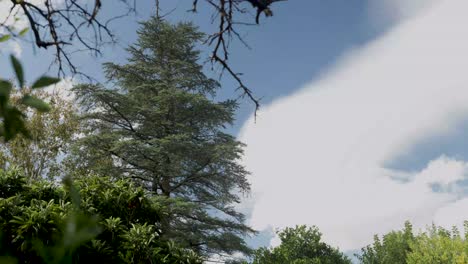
(5,38)
(74,193)
(23,32)
(8,260)
(13,123)
(5,89)
(5,85)
(35,102)
(18,70)
(45,81)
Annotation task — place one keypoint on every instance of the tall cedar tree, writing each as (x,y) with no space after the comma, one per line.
(158,126)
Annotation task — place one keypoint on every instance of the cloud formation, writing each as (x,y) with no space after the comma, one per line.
(318,156)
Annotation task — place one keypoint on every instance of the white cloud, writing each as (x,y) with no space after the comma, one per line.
(451,214)
(317,156)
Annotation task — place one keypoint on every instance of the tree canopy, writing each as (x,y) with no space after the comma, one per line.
(392,248)
(300,245)
(157,125)
(439,245)
(435,245)
(50,134)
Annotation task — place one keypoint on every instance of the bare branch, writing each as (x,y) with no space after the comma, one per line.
(225,12)
(71,26)
(62,25)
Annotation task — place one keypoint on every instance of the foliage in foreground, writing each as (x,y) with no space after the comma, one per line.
(109,221)
(12,118)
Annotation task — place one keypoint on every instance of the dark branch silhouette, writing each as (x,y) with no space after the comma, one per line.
(66,27)
(71,26)
(226,13)
(263,6)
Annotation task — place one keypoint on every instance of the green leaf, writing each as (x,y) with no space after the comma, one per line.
(74,193)
(5,87)
(45,81)
(23,32)
(5,37)
(35,103)
(18,70)
(8,260)
(13,123)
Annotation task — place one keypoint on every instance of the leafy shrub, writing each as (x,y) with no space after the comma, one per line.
(107,220)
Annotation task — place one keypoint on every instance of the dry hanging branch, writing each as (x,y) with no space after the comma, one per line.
(60,25)
(225,13)
(63,24)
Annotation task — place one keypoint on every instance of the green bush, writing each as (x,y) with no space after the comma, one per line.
(300,245)
(435,245)
(107,220)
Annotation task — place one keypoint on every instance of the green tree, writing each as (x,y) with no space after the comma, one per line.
(158,126)
(392,248)
(438,245)
(300,245)
(49,137)
(101,221)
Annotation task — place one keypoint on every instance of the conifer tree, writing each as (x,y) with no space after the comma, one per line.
(157,123)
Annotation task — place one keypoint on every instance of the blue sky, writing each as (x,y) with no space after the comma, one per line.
(302,40)
(364,112)
(376,139)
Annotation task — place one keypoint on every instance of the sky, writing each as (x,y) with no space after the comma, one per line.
(363,118)
(303,40)
(375,140)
